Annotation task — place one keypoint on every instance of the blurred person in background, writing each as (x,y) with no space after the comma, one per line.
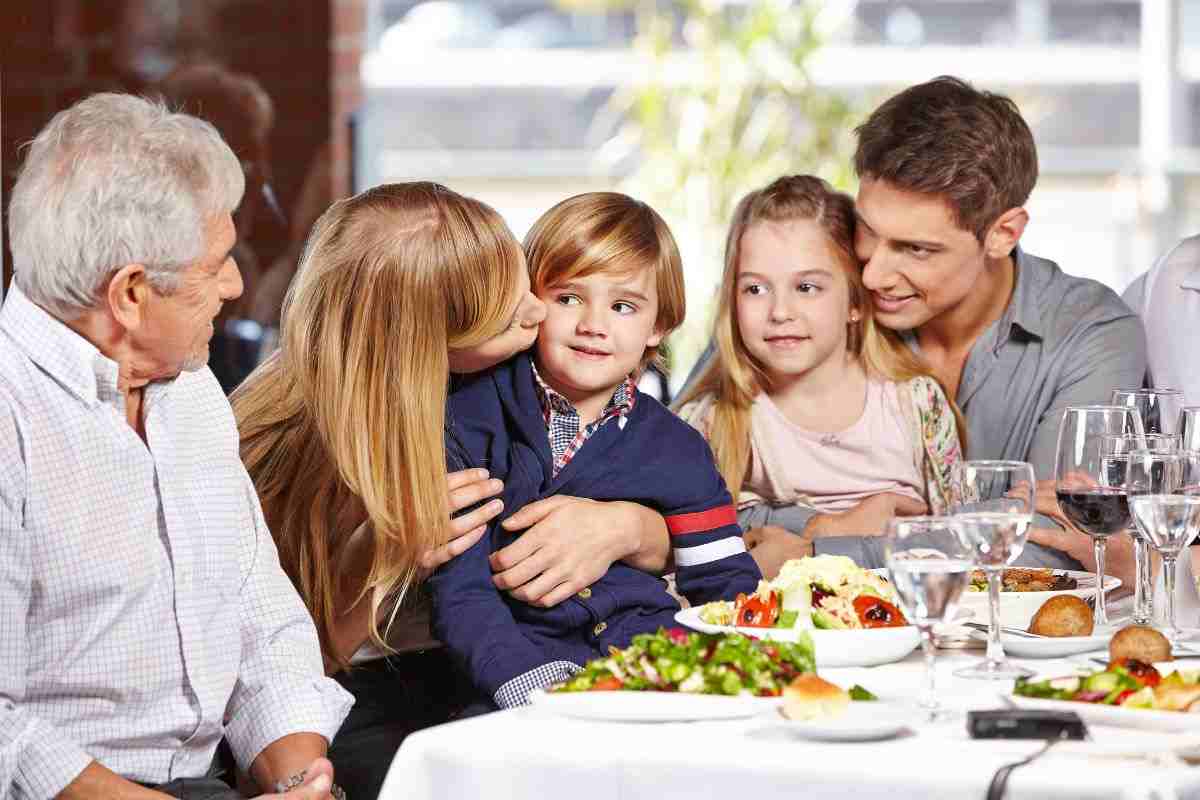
(132,545)
(1167,297)
(238,107)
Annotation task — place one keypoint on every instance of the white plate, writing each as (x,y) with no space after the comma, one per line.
(862,722)
(1051,646)
(1018,608)
(621,706)
(1118,716)
(841,648)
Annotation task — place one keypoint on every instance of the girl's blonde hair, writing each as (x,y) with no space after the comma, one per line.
(734,376)
(608,232)
(347,419)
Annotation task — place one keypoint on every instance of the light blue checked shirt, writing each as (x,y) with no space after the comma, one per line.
(143,611)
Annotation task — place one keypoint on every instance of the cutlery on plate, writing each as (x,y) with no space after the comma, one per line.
(979,626)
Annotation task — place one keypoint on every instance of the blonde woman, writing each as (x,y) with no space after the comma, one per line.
(343,434)
(808,404)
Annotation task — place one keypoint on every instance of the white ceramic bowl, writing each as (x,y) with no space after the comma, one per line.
(1018,608)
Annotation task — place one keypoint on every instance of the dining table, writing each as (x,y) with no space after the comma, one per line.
(535,752)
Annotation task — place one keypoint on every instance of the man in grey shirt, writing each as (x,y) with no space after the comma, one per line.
(945,171)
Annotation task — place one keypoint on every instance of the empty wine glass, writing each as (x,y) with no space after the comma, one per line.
(1158,409)
(1145,472)
(1094,500)
(930,564)
(993,502)
(1171,522)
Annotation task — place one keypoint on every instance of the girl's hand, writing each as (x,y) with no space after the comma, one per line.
(869,517)
(770,546)
(569,543)
(466,487)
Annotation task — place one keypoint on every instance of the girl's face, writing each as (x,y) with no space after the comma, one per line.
(522,330)
(793,298)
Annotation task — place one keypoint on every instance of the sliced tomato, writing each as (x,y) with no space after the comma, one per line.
(1121,697)
(753,611)
(1143,672)
(875,612)
(608,683)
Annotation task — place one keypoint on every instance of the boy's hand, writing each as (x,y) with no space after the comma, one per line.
(466,487)
(569,544)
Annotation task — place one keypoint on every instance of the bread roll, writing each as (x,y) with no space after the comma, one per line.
(1062,615)
(1140,643)
(810,697)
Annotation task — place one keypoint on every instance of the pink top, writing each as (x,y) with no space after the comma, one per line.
(833,472)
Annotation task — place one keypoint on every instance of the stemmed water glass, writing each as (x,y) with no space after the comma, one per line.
(1158,409)
(1189,428)
(1145,464)
(930,564)
(1091,497)
(993,501)
(1171,522)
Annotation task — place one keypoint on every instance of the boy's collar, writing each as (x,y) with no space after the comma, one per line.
(622,398)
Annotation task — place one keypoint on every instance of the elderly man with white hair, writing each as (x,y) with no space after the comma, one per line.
(143,611)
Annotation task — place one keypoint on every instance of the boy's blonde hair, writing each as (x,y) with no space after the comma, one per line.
(346,419)
(609,232)
(734,376)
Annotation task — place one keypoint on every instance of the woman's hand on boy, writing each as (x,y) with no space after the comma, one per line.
(568,544)
(466,487)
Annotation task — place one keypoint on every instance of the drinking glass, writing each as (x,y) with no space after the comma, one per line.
(1158,408)
(1189,428)
(1171,522)
(1189,480)
(1145,471)
(993,502)
(1094,500)
(930,564)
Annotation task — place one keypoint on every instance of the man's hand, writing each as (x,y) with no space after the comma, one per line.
(466,487)
(868,518)
(318,779)
(1118,553)
(1045,502)
(570,542)
(771,545)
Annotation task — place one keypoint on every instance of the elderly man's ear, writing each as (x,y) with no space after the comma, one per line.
(128,292)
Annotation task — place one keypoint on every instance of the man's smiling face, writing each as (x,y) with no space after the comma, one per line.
(917,263)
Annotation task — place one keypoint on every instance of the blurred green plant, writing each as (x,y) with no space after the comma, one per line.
(724,104)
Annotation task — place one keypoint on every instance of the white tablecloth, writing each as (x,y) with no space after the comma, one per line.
(528,753)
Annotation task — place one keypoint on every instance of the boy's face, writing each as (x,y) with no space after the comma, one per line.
(596,331)
(917,263)
(793,298)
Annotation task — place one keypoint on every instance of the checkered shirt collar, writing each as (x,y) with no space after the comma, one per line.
(553,403)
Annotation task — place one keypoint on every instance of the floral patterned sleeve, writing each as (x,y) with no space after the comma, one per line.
(939,432)
(699,414)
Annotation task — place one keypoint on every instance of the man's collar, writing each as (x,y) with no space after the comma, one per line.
(66,356)
(1023,310)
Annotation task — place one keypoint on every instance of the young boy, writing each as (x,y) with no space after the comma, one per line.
(566,418)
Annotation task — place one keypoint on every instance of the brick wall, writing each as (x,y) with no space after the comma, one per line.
(304,52)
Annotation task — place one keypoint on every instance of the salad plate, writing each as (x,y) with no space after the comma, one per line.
(1051,646)
(619,706)
(1117,716)
(1158,697)
(866,647)
(861,722)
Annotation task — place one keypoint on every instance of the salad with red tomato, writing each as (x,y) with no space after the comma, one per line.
(676,660)
(1126,682)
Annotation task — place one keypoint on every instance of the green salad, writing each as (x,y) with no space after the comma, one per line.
(678,661)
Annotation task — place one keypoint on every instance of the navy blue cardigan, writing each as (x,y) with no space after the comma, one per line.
(657,460)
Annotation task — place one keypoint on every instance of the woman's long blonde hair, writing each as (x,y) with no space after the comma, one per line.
(345,421)
(734,376)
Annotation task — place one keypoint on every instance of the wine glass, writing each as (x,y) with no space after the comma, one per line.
(1146,471)
(1091,498)
(993,503)
(929,560)
(1171,522)
(1189,428)
(1157,408)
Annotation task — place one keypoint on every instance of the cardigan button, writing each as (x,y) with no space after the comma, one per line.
(600,628)
(585,593)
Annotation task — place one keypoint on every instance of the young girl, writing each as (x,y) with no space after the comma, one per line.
(807,404)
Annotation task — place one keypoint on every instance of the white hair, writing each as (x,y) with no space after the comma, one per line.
(113,180)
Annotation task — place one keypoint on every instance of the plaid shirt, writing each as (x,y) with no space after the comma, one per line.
(563,421)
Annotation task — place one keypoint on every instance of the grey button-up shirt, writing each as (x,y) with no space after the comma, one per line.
(1063,340)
